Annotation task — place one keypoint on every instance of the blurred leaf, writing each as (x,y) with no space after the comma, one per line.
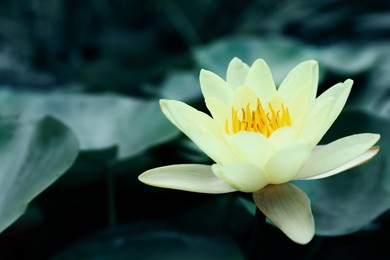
(191,152)
(153,240)
(351,200)
(99,121)
(33,155)
(249,205)
(90,166)
(183,86)
(347,59)
(281,54)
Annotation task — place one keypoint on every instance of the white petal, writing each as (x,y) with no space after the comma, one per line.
(340,93)
(218,110)
(286,163)
(363,158)
(288,208)
(252,147)
(243,96)
(283,136)
(200,128)
(312,127)
(260,79)
(333,155)
(188,177)
(241,176)
(299,88)
(214,87)
(236,72)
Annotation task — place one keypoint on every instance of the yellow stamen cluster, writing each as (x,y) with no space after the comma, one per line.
(258,120)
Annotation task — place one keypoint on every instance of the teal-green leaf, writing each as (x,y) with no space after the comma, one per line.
(348,59)
(32,155)
(183,86)
(99,121)
(351,200)
(281,54)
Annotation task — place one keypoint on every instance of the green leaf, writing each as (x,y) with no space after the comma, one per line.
(99,121)
(33,155)
(281,54)
(154,240)
(183,86)
(349,201)
(347,59)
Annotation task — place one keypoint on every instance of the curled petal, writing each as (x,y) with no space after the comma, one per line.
(338,153)
(288,208)
(339,93)
(188,177)
(363,158)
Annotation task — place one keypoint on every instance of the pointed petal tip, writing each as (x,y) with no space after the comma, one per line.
(376,137)
(236,63)
(167,102)
(312,62)
(348,82)
(303,240)
(143,178)
(205,73)
(237,60)
(312,65)
(259,61)
(163,102)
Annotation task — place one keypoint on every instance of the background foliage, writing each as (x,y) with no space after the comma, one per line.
(98,68)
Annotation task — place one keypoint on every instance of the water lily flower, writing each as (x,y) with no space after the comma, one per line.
(261,137)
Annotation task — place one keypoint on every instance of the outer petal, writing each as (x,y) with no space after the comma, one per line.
(188,177)
(288,208)
(214,87)
(260,79)
(285,164)
(299,88)
(336,154)
(339,93)
(200,128)
(363,158)
(236,72)
(252,147)
(242,176)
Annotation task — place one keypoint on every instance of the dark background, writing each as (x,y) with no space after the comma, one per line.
(130,48)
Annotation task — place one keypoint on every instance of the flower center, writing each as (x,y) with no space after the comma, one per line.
(258,120)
